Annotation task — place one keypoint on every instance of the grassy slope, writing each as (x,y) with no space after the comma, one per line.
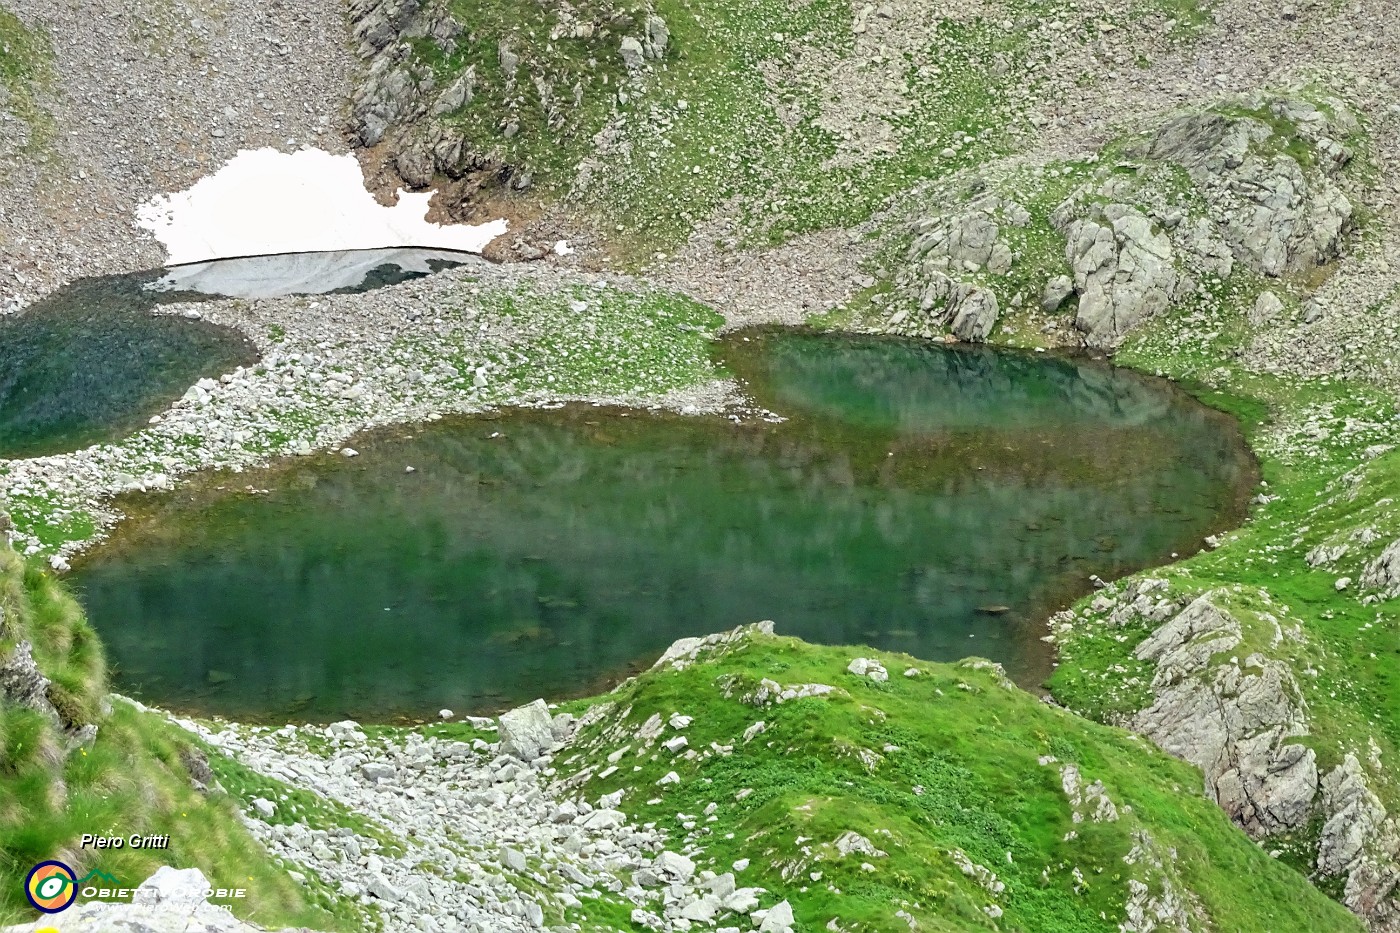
(974,747)
(745,109)
(25,62)
(132,779)
(1317,443)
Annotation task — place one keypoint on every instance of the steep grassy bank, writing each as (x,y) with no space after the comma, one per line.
(940,796)
(1311,580)
(72,761)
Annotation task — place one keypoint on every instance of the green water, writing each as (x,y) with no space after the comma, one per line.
(90,363)
(930,500)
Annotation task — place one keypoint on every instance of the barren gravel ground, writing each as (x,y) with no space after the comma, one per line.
(149,96)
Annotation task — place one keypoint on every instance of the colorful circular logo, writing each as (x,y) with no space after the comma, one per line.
(51,887)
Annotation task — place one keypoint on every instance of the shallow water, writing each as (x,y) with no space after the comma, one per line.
(930,500)
(91,363)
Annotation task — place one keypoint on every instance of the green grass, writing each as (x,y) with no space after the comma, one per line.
(738,110)
(955,767)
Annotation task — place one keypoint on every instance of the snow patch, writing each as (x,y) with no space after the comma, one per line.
(264,201)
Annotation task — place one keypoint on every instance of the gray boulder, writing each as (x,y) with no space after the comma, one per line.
(969,310)
(778,919)
(1055,292)
(457,95)
(974,315)
(658,37)
(508,59)
(172,885)
(415,163)
(527,732)
(633,56)
(1266,309)
(674,866)
(971,239)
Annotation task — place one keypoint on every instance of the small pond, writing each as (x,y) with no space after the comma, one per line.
(91,363)
(933,500)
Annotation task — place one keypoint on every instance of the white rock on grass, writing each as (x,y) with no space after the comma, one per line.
(777,919)
(867,667)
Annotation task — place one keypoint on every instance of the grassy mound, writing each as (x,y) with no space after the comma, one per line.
(974,806)
(58,781)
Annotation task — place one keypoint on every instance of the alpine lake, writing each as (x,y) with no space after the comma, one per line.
(934,500)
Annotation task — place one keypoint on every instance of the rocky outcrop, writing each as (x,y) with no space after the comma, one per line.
(1361,843)
(422,80)
(1231,720)
(1383,573)
(23,684)
(952,257)
(1238,720)
(1123,271)
(1262,192)
(687,651)
(1276,217)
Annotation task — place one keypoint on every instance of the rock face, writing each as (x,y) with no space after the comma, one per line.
(1236,719)
(950,249)
(1262,193)
(1123,271)
(1359,841)
(22,683)
(1383,573)
(410,113)
(1232,721)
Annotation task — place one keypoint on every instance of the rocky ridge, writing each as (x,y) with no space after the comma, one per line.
(1239,714)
